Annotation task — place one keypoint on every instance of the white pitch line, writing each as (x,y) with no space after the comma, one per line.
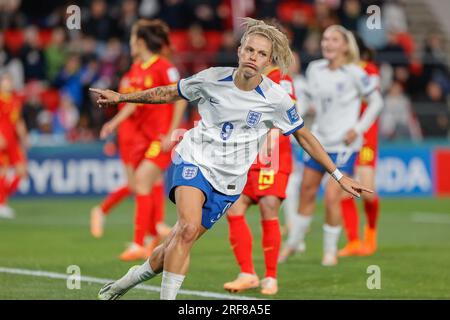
(54,275)
(430,217)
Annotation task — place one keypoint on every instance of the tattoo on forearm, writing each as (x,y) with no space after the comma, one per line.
(163,94)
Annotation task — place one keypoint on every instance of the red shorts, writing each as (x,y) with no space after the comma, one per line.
(12,156)
(263,182)
(145,148)
(369,151)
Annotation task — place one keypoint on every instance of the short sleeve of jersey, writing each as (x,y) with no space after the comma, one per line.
(170,75)
(190,88)
(365,83)
(287,118)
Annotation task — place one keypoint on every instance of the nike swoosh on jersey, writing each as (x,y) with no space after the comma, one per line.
(263,187)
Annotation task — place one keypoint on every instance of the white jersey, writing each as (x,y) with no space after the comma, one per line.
(337,96)
(233,125)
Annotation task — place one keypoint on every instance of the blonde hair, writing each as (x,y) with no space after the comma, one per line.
(281,52)
(353,50)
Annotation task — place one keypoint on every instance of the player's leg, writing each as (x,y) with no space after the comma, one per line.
(9,187)
(156,229)
(138,274)
(5,211)
(146,174)
(332,226)
(99,212)
(271,241)
(350,217)
(302,221)
(241,240)
(371,203)
(189,201)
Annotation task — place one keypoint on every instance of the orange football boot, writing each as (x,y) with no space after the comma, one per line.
(352,248)
(370,241)
(269,286)
(134,252)
(243,282)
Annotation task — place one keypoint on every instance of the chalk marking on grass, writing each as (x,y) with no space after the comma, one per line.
(54,275)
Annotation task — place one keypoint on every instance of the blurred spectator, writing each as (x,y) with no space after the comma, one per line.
(435,61)
(128,16)
(299,27)
(226,56)
(197,55)
(433,111)
(205,13)
(32,55)
(393,52)
(69,79)
(98,23)
(55,53)
(396,119)
(349,14)
(149,8)
(394,16)
(311,50)
(176,14)
(266,8)
(11,65)
(33,106)
(10,16)
(66,117)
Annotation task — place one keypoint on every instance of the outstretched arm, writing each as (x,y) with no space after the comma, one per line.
(313,147)
(163,94)
(110,126)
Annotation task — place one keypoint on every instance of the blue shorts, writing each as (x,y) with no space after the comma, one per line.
(216,203)
(345,162)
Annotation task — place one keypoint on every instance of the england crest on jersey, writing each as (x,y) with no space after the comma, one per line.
(253,118)
(189,172)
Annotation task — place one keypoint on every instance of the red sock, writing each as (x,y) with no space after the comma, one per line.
(3,194)
(372,208)
(143,217)
(13,185)
(271,241)
(158,208)
(241,241)
(351,218)
(115,198)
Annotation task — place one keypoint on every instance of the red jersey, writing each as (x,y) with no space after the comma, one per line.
(153,119)
(284,143)
(10,113)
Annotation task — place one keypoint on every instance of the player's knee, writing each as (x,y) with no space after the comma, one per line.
(269,208)
(307,192)
(188,232)
(141,185)
(366,196)
(332,197)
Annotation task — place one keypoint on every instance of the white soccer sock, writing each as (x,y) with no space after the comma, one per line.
(300,225)
(136,275)
(171,283)
(331,238)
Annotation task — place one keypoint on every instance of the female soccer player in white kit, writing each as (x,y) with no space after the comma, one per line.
(337,85)
(237,107)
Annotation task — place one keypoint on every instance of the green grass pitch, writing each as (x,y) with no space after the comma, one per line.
(50,235)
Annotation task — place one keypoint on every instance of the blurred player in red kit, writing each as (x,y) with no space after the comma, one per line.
(13,142)
(365,172)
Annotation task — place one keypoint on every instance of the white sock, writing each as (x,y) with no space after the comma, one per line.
(331,238)
(290,204)
(171,283)
(136,275)
(300,225)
